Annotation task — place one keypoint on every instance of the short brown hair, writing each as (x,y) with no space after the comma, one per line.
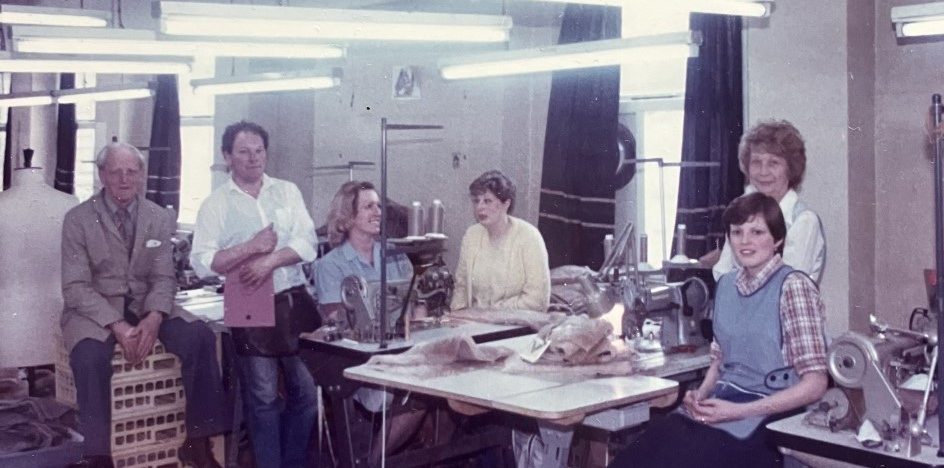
(233,130)
(497,183)
(344,209)
(743,208)
(777,137)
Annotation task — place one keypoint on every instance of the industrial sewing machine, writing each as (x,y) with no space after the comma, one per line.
(885,380)
(186,277)
(431,287)
(660,315)
(361,299)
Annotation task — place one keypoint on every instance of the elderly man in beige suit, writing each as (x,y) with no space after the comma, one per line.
(118,286)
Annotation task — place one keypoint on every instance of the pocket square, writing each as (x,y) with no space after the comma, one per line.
(151,243)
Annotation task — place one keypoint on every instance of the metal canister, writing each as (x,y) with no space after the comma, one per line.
(415,220)
(437,215)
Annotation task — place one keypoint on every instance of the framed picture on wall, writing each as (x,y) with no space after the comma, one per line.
(405,84)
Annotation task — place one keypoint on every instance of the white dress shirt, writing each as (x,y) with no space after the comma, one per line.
(230,216)
(805,247)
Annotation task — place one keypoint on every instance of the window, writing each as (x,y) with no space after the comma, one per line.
(86,180)
(196,149)
(652,100)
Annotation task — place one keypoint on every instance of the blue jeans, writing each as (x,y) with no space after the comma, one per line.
(279,431)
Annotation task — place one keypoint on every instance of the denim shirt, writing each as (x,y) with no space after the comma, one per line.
(344,261)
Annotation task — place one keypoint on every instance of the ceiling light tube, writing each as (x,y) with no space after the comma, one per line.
(572,56)
(88,41)
(105,93)
(25,14)
(35,98)
(207,19)
(266,82)
(92,64)
(925,19)
(749,8)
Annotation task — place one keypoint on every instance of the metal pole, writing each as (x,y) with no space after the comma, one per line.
(936,110)
(383,233)
(384,126)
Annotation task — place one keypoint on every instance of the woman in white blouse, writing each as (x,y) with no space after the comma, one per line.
(503,261)
(773,157)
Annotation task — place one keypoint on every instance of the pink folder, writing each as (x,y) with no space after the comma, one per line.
(246,307)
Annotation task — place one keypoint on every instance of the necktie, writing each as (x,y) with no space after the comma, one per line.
(123,223)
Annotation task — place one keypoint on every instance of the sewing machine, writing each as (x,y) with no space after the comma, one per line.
(661,315)
(885,379)
(675,314)
(361,299)
(186,277)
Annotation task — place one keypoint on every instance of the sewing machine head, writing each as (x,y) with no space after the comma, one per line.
(671,314)
(361,299)
(434,288)
(883,376)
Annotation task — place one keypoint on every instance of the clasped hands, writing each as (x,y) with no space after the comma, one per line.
(710,410)
(136,341)
(259,266)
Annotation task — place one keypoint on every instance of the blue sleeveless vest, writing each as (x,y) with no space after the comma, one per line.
(749,332)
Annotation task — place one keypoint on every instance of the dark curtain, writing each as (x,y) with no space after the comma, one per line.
(714,122)
(8,150)
(581,155)
(65,140)
(163,185)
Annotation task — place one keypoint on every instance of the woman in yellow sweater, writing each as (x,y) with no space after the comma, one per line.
(502,261)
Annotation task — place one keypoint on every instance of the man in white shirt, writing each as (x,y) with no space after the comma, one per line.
(251,228)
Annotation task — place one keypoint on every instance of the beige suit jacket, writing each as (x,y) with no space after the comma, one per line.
(97,273)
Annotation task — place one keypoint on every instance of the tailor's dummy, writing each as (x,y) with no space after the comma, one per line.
(30,282)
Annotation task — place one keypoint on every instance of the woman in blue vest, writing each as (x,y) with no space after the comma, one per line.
(768,355)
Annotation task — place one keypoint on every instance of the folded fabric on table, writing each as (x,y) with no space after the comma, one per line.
(527,318)
(578,347)
(441,357)
(578,340)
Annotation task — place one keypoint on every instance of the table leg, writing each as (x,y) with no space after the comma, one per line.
(231,384)
(556,440)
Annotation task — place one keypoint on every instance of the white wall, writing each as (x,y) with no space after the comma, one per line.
(488,124)
(797,70)
(907,73)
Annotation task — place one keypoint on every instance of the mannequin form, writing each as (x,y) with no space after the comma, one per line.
(30,249)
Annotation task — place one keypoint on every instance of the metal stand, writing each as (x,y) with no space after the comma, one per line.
(384,127)
(936,111)
(666,247)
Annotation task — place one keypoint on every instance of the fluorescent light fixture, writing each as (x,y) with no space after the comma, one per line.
(90,41)
(103,93)
(573,56)
(925,19)
(35,98)
(267,82)
(24,14)
(208,19)
(751,8)
(20,63)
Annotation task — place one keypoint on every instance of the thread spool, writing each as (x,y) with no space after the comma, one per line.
(436,215)
(415,220)
(680,240)
(643,248)
(607,245)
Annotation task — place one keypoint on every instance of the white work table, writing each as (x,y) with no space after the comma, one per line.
(793,433)
(558,403)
